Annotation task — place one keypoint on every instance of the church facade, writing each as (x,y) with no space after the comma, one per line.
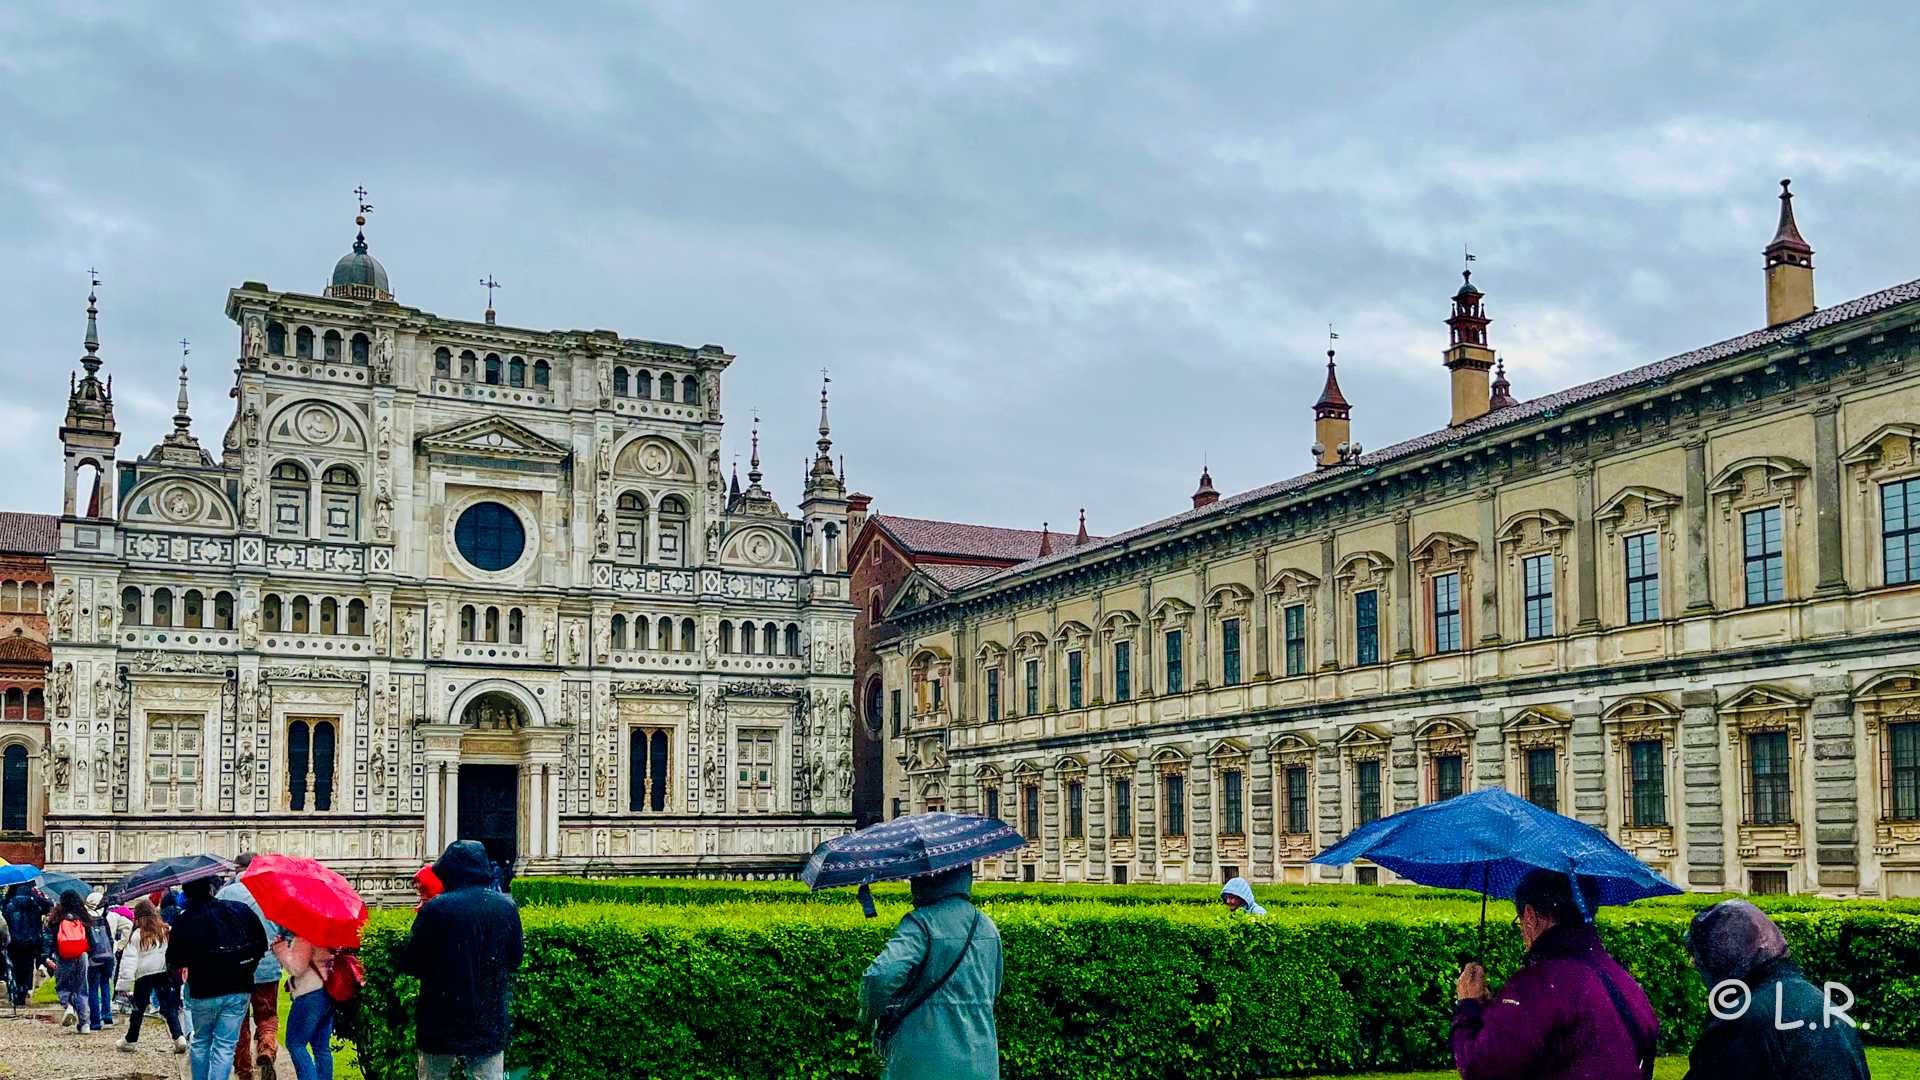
(1681,603)
(444,579)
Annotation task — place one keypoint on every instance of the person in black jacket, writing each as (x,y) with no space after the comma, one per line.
(218,942)
(465,948)
(1734,941)
(26,913)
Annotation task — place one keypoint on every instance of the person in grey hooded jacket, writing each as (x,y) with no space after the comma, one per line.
(1238,896)
(949,1034)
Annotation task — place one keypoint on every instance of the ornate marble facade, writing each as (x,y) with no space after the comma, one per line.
(444,579)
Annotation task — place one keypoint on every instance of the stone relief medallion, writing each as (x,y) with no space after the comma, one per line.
(318,425)
(654,460)
(180,503)
(758,548)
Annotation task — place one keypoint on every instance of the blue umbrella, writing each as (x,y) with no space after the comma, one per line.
(907,847)
(17,874)
(55,882)
(1488,840)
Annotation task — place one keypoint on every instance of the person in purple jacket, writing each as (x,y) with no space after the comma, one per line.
(1570,1013)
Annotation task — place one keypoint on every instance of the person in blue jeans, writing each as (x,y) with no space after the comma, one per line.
(309,1028)
(218,942)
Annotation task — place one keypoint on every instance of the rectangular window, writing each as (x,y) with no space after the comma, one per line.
(1122,808)
(753,757)
(1232,809)
(1176,799)
(1294,632)
(1366,792)
(1175,683)
(1903,744)
(1119,874)
(896,808)
(1366,627)
(937,685)
(993,694)
(1445,593)
(1230,652)
(895,705)
(1765,566)
(1076,810)
(1647,762)
(1643,577)
(1771,779)
(1900,531)
(1297,799)
(1449,776)
(1073,680)
(1543,778)
(173,761)
(1123,671)
(993,803)
(1767,882)
(1536,572)
(1030,810)
(1033,688)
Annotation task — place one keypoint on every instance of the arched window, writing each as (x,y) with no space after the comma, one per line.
(689,391)
(665,634)
(516,372)
(647,770)
(223,611)
(673,530)
(36,705)
(360,350)
(310,760)
(793,639)
(689,636)
(270,612)
(641,632)
(770,639)
(467,624)
(288,486)
(468,362)
(443,361)
(493,369)
(340,503)
(356,617)
(493,624)
(542,374)
(748,633)
(130,606)
(644,385)
(300,615)
(630,527)
(13,789)
(726,636)
(330,345)
(276,339)
(303,344)
(10,595)
(516,626)
(329,615)
(192,610)
(619,382)
(617,631)
(666,386)
(15,707)
(163,607)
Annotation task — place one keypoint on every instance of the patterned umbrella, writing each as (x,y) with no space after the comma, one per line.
(167,873)
(907,847)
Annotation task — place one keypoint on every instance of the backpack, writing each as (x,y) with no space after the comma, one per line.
(70,939)
(100,941)
(23,921)
(346,977)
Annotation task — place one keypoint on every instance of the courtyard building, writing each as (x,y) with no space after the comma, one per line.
(444,579)
(1680,603)
(26,595)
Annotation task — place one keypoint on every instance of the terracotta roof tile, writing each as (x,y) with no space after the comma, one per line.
(1644,375)
(952,576)
(921,536)
(29,534)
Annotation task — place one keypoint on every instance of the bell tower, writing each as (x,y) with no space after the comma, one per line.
(88,435)
(1467,355)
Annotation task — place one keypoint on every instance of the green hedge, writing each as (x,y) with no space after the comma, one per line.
(1092,990)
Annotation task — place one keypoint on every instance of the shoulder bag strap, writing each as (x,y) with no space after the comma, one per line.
(1642,1044)
(897,1014)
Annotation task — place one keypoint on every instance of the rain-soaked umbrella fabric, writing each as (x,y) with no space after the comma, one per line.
(16,873)
(907,847)
(1488,840)
(306,898)
(54,883)
(166,874)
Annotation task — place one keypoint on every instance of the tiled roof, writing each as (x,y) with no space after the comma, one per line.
(921,536)
(1649,374)
(952,576)
(29,534)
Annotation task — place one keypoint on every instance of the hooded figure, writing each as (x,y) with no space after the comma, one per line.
(1734,940)
(934,985)
(1238,896)
(465,948)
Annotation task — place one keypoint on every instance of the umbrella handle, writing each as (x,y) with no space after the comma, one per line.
(866,901)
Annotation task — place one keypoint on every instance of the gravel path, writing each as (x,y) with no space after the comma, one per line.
(33,1046)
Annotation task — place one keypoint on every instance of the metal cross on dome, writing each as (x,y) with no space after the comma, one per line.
(183,346)
(490,285)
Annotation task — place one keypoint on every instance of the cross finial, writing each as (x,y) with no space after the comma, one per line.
(184,347)
(360,195)
(93,276)
(489,284)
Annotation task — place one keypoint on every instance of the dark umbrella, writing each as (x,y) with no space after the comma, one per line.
(56,882)
(1488,840)
(907,847)
(167,873)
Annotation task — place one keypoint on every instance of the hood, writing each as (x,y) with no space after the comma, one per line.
(428,882)
(463,865)
(1239,887)
(1732,939)
(934,888)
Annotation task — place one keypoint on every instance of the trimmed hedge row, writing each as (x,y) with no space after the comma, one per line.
(1092,990)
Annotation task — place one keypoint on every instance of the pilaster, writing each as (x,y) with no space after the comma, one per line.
(1402,585)
(1587,764)
(1701,781)
(1830,556)
(1698,576)
(1837,809)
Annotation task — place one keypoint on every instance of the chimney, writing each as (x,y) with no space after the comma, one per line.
(1204,495)
(1789,267)
(1467,355)
(857,504)
(1332,427)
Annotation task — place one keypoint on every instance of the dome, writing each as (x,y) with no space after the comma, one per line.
(358,275)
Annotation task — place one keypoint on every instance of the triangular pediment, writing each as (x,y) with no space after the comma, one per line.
(494,436)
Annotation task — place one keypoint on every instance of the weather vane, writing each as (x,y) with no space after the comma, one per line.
(490,285)
(93,275)
(183,347)
(1470,256)
(1331,337)
(360,193)
(824,377)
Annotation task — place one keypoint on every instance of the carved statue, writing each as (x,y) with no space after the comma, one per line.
(603,533)
(843,776)
(382,516)
(250,503)
(250,424)
(600,642)
(102,765)
(379,636)
(606,385)
(63,615)
(712,643)
(710,776)
(409,636)
(436,637)
(546,636)
(105,621)
(250,629)
(603,458)
(573,642)
(713,540)
(377,767)
(255,345)
(60,688)
(103,694)
(383,357)
(62,767)
(383,436)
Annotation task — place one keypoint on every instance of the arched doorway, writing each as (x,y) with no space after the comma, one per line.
(869,755)
(489,808)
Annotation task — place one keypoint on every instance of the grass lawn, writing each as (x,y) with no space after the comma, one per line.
(1886,1064)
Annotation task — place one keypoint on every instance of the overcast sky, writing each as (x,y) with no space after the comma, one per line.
(1055,255)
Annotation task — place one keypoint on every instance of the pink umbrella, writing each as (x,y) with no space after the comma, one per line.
(307,899)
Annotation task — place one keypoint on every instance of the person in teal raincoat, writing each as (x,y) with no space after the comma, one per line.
(950,1034)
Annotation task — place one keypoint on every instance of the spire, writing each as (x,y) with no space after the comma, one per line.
(733,490)
(1081,537)
(1332,402)
(179,447)
(1787,238)
(182,421)
(1205,495)
(89,400)
(821,479)
(1046,540)
(1502,390)
(753,462)
(91,361)
(1789,262)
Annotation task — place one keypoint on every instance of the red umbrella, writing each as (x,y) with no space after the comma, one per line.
(307,899)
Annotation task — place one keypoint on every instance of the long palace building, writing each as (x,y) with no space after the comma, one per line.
(444,579)
(1681,603)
